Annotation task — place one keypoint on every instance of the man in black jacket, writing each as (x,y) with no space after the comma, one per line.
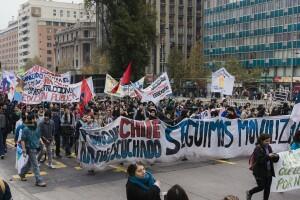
(47,129)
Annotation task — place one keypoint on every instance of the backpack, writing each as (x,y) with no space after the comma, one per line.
(252,161)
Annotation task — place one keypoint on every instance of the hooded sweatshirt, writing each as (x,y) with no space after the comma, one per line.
(31,136)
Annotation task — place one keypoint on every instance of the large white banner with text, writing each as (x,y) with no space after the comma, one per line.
(130,140)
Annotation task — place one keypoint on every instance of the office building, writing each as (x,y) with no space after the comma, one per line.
(259,33)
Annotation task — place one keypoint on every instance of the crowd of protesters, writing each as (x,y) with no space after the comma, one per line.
(61,122)
(46,124)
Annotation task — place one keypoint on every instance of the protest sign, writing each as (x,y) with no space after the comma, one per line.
(157,91)
(287,172)
(222,82)
(53,91)
(130,140)
(123,90)
(8,83)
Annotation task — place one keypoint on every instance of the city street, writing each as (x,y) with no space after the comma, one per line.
(203,180)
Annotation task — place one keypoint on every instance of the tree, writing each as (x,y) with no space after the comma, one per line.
(31,62)
(195,67)
(130,28)
(241,74)
(99,63)
(176,68)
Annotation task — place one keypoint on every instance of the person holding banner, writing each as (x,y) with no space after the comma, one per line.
(141,184)
(263,169)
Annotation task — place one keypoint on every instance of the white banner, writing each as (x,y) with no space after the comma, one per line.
(157,91)
(222,81)
(129,140)
(37,76)
(54,91)
(9,83)
(287,172)
(123,90)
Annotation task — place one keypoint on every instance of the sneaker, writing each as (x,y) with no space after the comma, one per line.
(41,184)
(50,166)
(248,195)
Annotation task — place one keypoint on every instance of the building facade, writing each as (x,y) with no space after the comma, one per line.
(178,26)
(9,47)
(74,46)
(259,33)
(39,20)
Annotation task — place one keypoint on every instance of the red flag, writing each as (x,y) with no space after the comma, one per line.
(85,96)
(124,80)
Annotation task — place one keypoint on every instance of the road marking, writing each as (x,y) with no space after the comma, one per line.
(225,162)
(10,142)
(78,168)
(118,168)
(73,155)
(17,177)
(57,165)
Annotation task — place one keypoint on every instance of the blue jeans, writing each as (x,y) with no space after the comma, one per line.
(2,147)
(32,161)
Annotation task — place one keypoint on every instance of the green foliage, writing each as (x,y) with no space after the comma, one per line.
(131,33)
(195,64)
(31,62)
(176,68)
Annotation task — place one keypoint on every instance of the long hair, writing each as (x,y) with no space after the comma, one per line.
(177,193)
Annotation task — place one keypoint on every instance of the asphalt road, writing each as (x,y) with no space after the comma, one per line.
(203,180)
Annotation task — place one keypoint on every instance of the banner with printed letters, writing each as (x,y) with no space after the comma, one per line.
(287,172)
(150,141)
(157,91)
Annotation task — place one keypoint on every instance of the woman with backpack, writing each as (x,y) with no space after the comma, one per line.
(263,169)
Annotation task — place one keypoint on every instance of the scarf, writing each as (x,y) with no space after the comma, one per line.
(145,183)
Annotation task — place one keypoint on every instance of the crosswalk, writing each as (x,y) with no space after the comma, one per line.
(62,165)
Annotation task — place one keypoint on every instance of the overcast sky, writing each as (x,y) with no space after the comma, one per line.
(10,8)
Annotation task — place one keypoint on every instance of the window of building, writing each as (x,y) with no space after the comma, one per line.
(74,14)
(68,13)
(86,33)
(54,12)
(49,65)
(49,59)
(49,52)
(49,37)
(81,14)
(49,44)
(76,48)
(76,63)
(61,13)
